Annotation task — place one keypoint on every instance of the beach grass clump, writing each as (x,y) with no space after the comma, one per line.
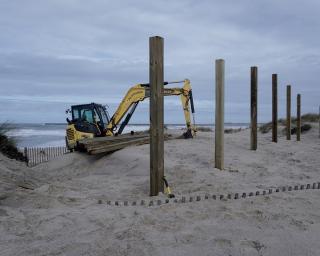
(8,145)
(232,130)
(304,128)
(306,118)
(310,118)
(265,128)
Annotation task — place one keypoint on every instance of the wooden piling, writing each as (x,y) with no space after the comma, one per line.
(298,117)
(156,115)
(274,107)
(254,85)
(288,121)
(219,118)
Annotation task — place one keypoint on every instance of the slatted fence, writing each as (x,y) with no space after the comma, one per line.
(35,155)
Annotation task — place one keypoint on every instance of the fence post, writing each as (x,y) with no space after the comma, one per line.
(25,154)
(35,156)
(219,119)
(31,156)
(47,154)
(41,155)
(298,117)
(274,107)
(254,85)
(288,121)
(156,115)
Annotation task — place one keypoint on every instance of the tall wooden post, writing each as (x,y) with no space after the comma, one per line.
(319,121)
(254,85)
(219,120)
(298,117)
(288,123)
(274,107)
(156,115)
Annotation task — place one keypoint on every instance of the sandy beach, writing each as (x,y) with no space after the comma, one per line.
(66,211)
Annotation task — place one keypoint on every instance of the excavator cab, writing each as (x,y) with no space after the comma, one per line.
(88,121)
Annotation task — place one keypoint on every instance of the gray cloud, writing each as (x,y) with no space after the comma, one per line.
(55,53)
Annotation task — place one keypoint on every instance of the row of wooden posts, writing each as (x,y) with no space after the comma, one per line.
(219,115)
(156,113)
(254,110)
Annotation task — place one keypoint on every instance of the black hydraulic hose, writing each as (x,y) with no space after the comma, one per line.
(148,85)
(165,181)
(191,101)
(128,117)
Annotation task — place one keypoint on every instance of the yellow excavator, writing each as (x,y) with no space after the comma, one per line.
(92,120)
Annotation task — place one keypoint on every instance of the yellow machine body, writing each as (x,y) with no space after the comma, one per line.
(73,136)
(92,120)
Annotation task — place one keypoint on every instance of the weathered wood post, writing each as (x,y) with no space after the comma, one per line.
(274,107)
(288,121)
(26,157)
(219,118)
(156,115)
(254,85)
(298,117)
(319,121)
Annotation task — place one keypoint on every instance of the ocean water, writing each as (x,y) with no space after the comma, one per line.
(53,135)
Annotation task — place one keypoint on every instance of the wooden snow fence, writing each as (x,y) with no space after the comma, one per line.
(37,155)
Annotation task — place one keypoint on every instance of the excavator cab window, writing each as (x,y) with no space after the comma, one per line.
(84,118)
(82,113)
(75,114)
(87,115)
(104,115)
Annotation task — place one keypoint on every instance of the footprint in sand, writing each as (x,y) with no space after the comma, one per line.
(3,212)
(222,242)
(257,245)
(299,224)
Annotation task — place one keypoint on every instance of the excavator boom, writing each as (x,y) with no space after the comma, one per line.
(139,92)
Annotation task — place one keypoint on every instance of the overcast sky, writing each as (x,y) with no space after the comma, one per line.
(61,52)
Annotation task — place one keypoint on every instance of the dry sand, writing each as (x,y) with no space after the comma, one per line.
(62,216)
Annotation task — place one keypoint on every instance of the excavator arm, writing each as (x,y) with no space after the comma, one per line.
(135,94)
(139,92)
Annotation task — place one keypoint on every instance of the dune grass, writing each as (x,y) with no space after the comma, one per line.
(8,145)
(306,118)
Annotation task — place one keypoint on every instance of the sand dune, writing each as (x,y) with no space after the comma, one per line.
(67,212)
